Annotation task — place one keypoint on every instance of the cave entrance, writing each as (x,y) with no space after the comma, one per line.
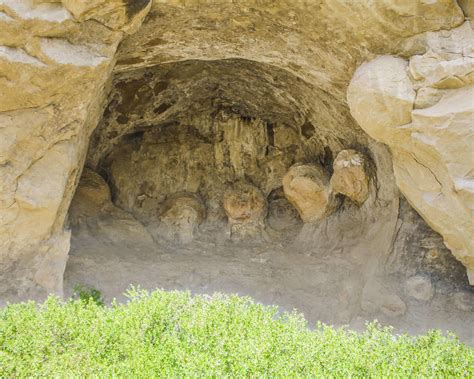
(239,177)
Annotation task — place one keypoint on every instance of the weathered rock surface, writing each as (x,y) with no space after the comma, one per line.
(93,213)
(53,74)
(350,176)
(307,188)
(245,207)
(432,146)
(207,93)
(92,196)
(181,217)
(419,288)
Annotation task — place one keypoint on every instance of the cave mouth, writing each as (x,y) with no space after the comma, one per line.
(238,176)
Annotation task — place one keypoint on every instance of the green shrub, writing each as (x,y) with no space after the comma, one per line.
(174,334)
(85,293)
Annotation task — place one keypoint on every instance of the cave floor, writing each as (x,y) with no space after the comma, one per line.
(323,287)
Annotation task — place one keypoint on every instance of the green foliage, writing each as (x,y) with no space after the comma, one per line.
(174,334)
(87,294)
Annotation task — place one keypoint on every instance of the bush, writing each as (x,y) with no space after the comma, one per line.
(86,293)
(174,334)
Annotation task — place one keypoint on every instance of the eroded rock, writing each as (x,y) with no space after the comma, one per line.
(419,288)
(246,208)
(54,71)
(188,66)
(181,217)
(93,213)
(307,188)
(350,176)
(432,146)
(91,197)
(381,95)
(281,214)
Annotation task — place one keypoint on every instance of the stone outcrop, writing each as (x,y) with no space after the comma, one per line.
(350,176)
(214,92)
(245,208)
(92,196)
(181,217)
(307,188)
(93,213)
(423,110)
(54,70)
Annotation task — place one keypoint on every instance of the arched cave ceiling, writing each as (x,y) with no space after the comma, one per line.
(173,93)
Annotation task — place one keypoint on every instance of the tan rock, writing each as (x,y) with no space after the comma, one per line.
(381,95)
(181,217)
(307,188)
(53,81)
(91,197)
(245,207)
(468,7)
(427,97)
(350,177)
(431,147)
(56,60)
(448,63)
(122,15)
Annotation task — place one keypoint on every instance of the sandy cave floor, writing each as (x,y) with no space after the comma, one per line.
(324,288)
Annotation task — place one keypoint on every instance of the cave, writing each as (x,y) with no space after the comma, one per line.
(316,157)
(238,176)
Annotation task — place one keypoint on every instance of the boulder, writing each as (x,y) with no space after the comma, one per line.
(91,197)
(306,186)
(245,207)
(350,176)
(431,145)
(381,95)
(180,218)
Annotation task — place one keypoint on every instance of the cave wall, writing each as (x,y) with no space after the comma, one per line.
(423,108)
(55,64)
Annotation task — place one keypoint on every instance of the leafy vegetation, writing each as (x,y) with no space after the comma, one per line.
(174,334)
(86,293)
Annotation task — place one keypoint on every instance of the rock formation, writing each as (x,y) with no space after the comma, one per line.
(55,62)
(423,109)
(307,188)
(245,208)
(181,216)
(180,97)
(350,176)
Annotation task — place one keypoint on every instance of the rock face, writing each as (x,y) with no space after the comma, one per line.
(207,93)
(419,288)
(245,208)
(423,109)
(350,176)
(307,188)
(93,213)
(91,197)
(180,218)
(45,126)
